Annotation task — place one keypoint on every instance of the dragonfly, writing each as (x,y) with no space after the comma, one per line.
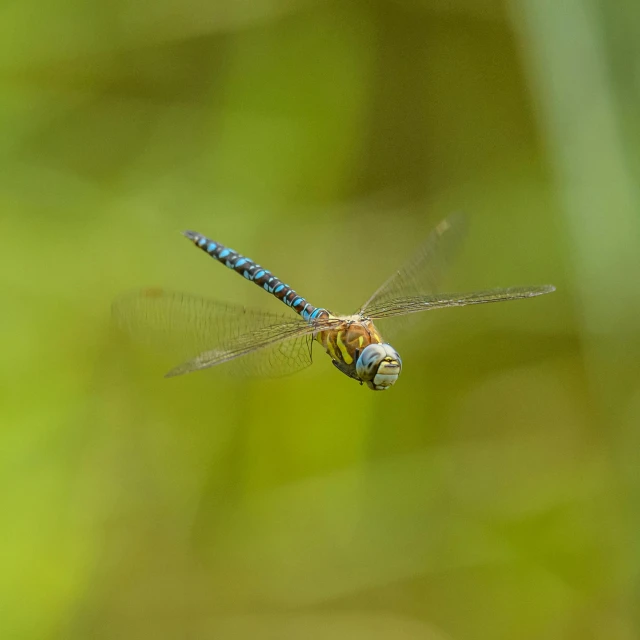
(212,333)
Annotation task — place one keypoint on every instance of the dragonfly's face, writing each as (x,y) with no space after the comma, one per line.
(379,365)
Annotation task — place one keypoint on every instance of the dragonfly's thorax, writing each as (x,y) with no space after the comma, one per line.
(357,349)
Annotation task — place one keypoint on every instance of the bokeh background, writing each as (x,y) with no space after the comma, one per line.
(494,493)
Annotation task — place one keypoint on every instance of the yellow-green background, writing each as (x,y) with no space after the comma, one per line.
(494,492)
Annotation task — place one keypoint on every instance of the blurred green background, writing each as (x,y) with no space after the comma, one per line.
(494,492)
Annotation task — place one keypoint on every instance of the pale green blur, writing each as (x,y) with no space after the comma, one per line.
(493,493)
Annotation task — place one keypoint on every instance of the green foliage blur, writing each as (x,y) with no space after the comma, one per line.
(493,493)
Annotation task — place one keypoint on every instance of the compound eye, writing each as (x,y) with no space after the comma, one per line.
(369,361)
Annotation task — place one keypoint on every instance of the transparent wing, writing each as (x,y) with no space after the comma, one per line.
(279,359)
(272,346)
(423,272)
(414,304)
(183,326)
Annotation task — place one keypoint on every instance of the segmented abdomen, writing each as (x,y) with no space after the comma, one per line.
(254,272)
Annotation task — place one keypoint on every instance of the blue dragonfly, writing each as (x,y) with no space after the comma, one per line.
(212,333)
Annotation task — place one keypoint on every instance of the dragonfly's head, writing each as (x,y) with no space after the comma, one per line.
(379,365)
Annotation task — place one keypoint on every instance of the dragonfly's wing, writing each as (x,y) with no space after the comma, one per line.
(276,360)
(413,304)
(268,348)
(183,325)
(422,273)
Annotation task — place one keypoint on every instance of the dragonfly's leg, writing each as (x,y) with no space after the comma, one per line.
(357,355)
(310,341)
(341,367)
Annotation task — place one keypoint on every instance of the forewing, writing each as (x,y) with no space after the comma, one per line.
(422,273)
(183,326)
(268,349)
(414,304)
(279,359)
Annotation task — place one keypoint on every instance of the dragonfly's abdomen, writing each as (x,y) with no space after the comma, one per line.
(256,274)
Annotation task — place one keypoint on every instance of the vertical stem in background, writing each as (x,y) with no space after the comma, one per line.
(566,55)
